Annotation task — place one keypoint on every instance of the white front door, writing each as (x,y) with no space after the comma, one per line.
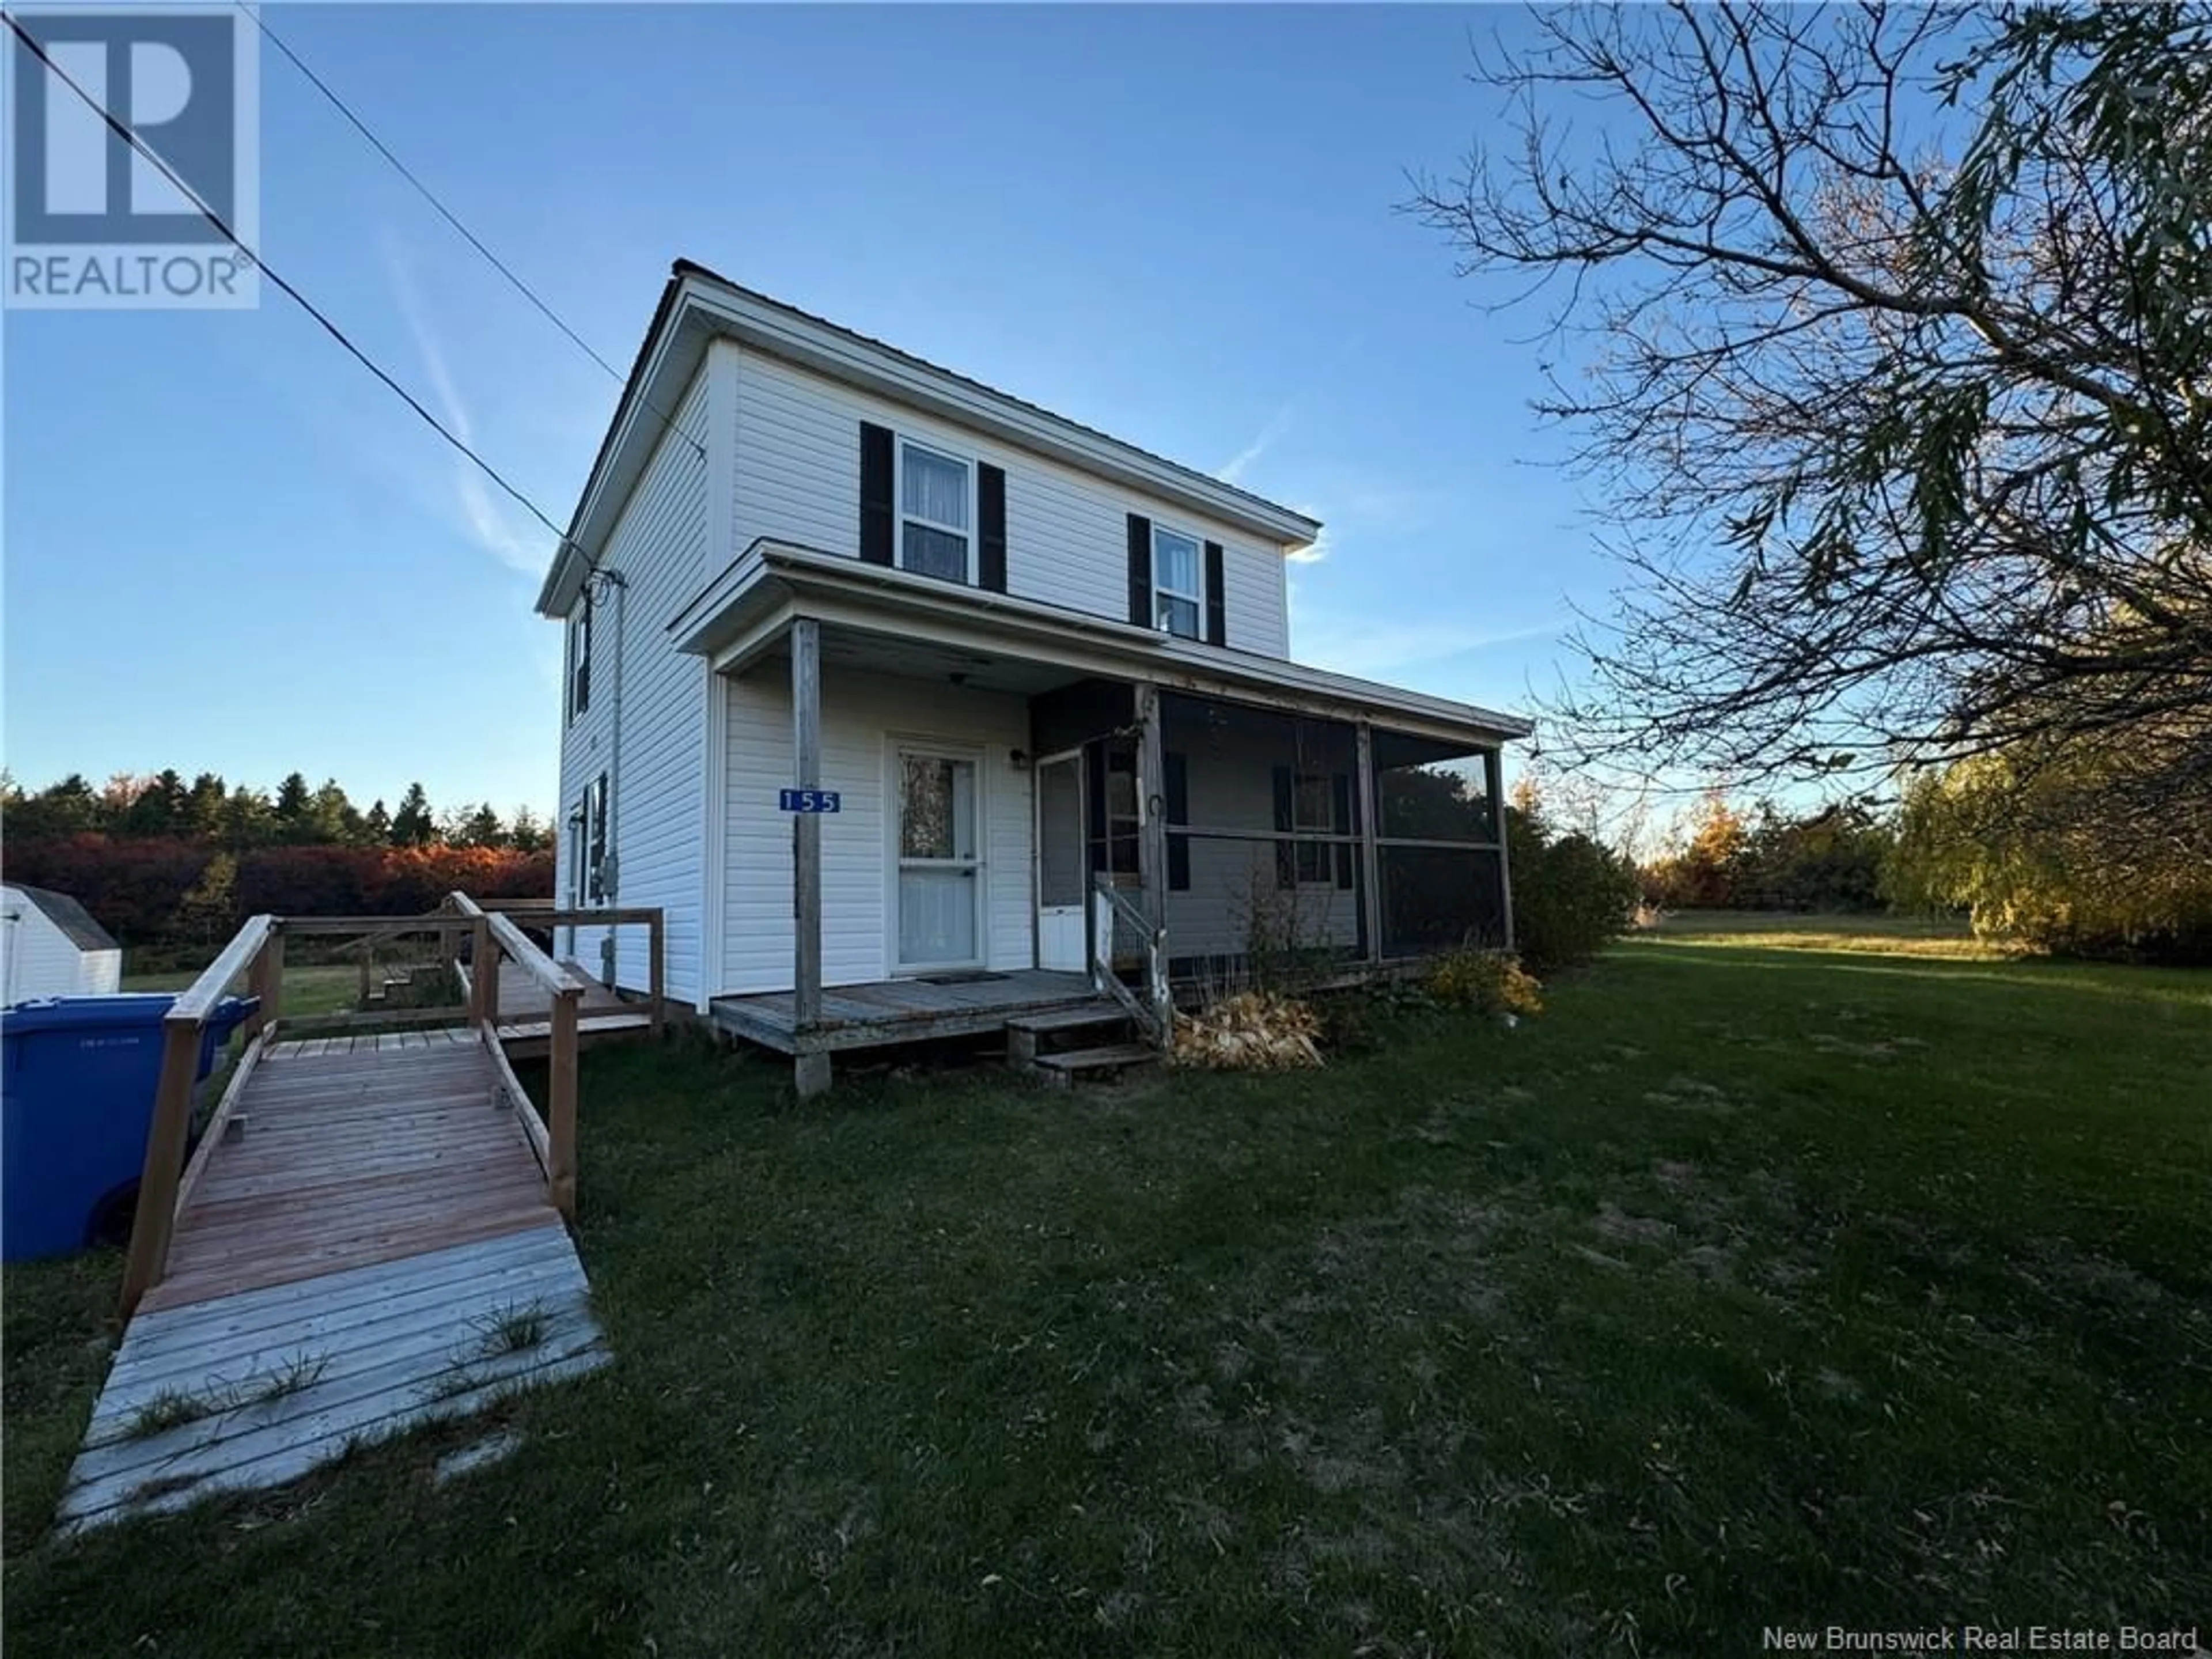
(1061,944)
(940,887)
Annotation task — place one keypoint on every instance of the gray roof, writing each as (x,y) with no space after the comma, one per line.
(72,918)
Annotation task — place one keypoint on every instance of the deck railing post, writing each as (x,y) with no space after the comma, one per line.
(560,1105)
(488,977)
(483,968)
(258,988)
(272,964)
(165,1161)
(656,941)
(364,973)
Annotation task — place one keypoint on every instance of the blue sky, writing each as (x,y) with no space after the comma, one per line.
(226,547)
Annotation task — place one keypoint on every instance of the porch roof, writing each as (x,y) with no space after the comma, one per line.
(743,613)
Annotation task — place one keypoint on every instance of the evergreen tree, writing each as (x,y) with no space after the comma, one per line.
(66,808)
(247,821)
(482,828)
(159,808)
(412,825)
(328,814)
(202,815)
(208,912)
(528,833)
(376,827)
(294,810)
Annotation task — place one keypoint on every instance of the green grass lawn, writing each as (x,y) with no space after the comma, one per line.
(310,990)
(1756,1282)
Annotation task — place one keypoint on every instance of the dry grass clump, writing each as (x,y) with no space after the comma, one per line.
(1251,1031)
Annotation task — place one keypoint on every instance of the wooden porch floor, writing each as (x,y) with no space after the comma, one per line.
(343,1268)
(890,1012)
(526,1010)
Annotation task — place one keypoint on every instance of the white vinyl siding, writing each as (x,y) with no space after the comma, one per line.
(797,474)
(864,720)
(659,544)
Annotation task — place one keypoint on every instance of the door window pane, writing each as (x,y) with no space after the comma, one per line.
(936,807)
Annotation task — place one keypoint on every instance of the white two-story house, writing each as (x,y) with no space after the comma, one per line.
(1043,676)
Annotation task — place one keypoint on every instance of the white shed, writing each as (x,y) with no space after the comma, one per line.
(50,946)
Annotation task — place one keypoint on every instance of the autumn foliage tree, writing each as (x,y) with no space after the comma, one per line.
(159,862)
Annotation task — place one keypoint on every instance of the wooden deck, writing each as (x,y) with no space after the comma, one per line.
(363,1246)
(526,1010)
(902,1009)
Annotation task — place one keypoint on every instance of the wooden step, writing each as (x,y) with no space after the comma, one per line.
(1059,1070)
(1068,1019)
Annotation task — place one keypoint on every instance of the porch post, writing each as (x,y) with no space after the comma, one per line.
(806,851)
(1152,840)
(1371,886)
(1493,772)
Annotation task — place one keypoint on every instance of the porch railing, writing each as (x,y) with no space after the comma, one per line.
(494,939)
(1154,1011)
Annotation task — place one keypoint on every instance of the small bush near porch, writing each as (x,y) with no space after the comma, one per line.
(1747,1285)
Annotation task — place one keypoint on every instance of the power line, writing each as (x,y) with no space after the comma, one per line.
(453,218)
(131,138)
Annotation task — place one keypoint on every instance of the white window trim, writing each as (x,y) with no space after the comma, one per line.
(1196,600)
(901,518)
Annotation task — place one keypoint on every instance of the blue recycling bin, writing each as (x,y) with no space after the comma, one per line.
(78,1076)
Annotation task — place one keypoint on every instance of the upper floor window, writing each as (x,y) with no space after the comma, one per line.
(580,658)
(1178,586)
(934,522)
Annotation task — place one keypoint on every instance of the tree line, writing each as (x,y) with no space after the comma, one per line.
(2039,863)
(239,818)
(171,869)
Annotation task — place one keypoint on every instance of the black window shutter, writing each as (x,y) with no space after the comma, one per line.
(991,529)
(1178,812)
(1217,597)
(1286,853)
(1140,570)
(1341,812)
(877,518)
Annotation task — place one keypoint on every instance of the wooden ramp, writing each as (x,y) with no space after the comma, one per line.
(367,1243)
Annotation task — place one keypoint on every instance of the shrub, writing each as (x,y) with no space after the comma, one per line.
(1571,894)
(1487,982)
(2036,848)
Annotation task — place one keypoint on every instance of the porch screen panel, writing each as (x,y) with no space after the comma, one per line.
(1439,899)
(1439,862)
(1263,844)
(1060,841)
